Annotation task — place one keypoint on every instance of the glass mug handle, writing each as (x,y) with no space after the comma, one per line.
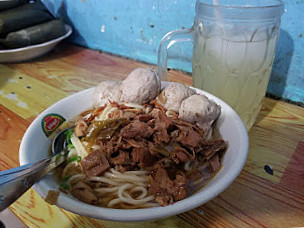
(167,41)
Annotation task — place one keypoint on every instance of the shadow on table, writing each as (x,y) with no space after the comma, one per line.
(280,69)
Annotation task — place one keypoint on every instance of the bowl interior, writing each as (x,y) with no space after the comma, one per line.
(229,123)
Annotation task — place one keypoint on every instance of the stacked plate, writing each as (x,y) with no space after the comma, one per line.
(28,30)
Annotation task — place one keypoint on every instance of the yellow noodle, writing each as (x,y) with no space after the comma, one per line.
(107,189)
(77,176)
(132,201)
(104,180)
(139,172)
(113,202)
(67,167)
(114,171)
(140,189)
(126,177)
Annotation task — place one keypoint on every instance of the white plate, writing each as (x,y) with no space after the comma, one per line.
(33,51)
(35,145)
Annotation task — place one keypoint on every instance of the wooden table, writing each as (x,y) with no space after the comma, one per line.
(255,199)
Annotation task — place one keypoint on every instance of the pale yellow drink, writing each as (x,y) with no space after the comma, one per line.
(234,45)
(234,70)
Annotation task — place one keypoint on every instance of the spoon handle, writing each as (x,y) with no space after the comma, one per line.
(14,182)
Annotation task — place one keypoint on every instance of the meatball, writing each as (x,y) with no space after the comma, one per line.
(172,96)
(199,110)
(141,86)
(106,91)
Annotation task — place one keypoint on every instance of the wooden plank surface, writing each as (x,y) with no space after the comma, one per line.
(255,198)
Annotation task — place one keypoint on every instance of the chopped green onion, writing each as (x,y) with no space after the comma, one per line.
(69,134)
(58,155)
(66,178)
(64,185)
(71,146)
(74,158)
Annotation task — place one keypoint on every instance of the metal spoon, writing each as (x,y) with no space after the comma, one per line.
(14,182)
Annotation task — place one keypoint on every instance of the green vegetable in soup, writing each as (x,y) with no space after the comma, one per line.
(68,135)
(74,158)
(64,184)
(103,129)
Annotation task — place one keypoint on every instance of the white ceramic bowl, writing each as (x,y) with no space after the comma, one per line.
(35,145)
(33,51)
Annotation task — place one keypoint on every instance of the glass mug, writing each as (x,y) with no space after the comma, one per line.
(233,50)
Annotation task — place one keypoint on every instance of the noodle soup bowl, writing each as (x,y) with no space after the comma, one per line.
(37,139)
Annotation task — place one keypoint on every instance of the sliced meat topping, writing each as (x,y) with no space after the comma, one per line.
(214,163)
(142,156)
(161,136)
(111,146)
(149,139)
(95,164)
(187,136)
(123,158)
(144,117)
(84,192)
(136,129)
(180,154)
(211,148)
(179,189)
(166,189)
(192,139)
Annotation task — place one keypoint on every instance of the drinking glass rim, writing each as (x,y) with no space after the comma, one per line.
(235,12)
(280,3)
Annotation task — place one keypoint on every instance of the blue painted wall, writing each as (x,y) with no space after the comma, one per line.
(134,28)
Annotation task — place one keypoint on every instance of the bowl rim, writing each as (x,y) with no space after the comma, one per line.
(195,200)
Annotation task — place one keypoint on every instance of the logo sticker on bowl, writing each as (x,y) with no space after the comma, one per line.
(51,122)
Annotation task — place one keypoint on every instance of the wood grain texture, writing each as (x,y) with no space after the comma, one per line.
(12,128)
(73,68)
(26,95)
(34,212)
(254,199)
